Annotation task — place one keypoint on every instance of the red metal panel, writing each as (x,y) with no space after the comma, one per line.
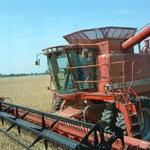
(86,95)
(104,61)
(129,70)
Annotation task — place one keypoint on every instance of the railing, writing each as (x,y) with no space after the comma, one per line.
(109,77)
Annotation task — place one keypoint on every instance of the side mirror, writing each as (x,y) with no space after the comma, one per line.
(37,62)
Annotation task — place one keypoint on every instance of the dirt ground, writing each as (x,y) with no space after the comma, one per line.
(28,91)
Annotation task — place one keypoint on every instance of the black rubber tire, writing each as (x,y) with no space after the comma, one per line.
(92,113)
(108,116)
(145,127)
(56,104)
(113,116)
(120,122)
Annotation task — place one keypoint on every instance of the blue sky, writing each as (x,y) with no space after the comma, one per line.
(28,26)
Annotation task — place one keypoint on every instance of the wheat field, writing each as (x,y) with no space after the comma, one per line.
(27,91)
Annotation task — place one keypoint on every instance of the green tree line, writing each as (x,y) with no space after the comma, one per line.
(22,74)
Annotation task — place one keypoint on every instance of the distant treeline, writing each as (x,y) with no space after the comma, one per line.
(21,74)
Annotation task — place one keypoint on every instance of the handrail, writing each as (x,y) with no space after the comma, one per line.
(104,77)
(110,78)
(87,66)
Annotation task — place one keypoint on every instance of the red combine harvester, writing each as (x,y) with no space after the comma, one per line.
(102,93)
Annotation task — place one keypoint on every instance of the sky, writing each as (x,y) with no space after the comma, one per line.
(28,26)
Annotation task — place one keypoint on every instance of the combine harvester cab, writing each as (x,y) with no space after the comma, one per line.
(101,96)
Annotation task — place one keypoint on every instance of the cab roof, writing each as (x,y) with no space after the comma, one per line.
(96,35)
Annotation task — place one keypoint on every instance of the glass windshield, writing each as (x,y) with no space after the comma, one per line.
(82,61)
(58,64)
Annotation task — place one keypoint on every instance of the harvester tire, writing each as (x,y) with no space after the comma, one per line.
(92,113)
(120,122)
(145,127)
(56,104)
(113,117)
(108,116)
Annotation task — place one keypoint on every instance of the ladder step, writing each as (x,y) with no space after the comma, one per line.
(136,134)
(135,124)
(128,104)
(132,114)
